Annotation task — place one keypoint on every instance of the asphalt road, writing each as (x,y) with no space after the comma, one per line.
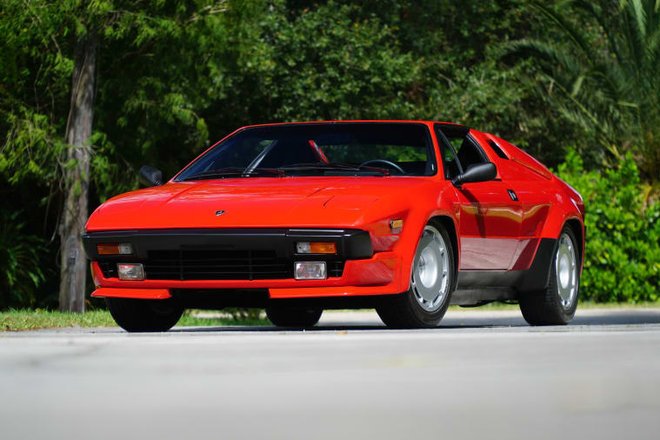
(481,375)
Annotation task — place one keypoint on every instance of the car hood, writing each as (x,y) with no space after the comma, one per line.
(258,202)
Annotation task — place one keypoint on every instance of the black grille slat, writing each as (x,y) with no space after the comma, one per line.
(211,272)
(200,266)
(210,264)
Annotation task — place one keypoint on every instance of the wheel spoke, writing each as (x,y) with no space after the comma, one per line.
(566,271)
(430,281)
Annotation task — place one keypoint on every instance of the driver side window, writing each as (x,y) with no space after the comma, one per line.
(459,150)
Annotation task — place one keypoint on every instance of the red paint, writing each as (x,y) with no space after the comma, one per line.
(104,292)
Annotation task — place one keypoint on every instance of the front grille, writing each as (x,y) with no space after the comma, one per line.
(109,269)
(335,268)
(216,265)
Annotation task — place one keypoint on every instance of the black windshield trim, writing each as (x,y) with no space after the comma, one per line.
(432,157)
(223,173)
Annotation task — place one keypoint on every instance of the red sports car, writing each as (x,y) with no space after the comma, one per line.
(405,217)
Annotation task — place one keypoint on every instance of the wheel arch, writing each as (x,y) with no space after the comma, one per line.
(448,223)
(537,276)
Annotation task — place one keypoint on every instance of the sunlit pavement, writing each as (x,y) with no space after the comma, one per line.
(481,374)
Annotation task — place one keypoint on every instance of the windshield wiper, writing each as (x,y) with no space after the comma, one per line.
(264,172)
(282,171)
(235,172)
(334,166)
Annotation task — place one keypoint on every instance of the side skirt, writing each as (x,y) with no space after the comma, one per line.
(478,286)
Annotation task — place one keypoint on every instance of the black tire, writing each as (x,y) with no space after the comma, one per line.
(143,315)
(293,317)
(408,309)
(547,306)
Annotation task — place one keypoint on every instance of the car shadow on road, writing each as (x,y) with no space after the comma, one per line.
(457,321)
(273,329)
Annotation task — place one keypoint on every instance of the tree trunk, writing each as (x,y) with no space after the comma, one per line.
(73,269)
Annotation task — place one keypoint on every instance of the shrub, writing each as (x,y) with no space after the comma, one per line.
(622,242)
(20,263)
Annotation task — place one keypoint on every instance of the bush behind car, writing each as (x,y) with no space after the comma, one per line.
(623,232)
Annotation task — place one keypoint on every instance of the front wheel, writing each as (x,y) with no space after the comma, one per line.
(143,315)
(293,317)
(431,283)
(556,304)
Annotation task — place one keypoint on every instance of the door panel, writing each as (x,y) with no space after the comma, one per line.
(534,197)
(490,217)
(490,223)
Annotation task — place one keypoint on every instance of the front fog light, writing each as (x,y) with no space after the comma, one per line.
(130,271)
(310,270)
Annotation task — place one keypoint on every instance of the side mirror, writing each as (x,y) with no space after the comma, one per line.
(151,176)
(476,173)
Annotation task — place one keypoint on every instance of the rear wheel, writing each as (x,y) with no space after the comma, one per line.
(431,283)
(293,317)
(556,304)
(142,315)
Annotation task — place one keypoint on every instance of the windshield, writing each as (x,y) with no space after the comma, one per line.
(329,149)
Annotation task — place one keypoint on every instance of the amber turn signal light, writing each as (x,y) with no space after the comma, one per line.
(396,226)
(316,247)
(114,249)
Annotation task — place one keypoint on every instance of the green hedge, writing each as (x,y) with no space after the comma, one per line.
(622,251)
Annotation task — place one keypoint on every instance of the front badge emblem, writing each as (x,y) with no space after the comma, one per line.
(219,213)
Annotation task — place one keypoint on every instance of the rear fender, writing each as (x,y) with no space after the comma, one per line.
(566,204)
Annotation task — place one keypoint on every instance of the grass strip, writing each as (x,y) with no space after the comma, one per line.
(191,319)
(23,320)
(19,320)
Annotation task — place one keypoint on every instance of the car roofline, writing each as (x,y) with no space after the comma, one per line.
(353,121)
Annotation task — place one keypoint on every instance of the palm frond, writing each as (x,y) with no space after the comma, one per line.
(568,28)
(607,75)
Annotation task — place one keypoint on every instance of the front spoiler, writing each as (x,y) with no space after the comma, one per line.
(378,275)
(110,292)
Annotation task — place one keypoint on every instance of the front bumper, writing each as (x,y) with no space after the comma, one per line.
(354,270)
